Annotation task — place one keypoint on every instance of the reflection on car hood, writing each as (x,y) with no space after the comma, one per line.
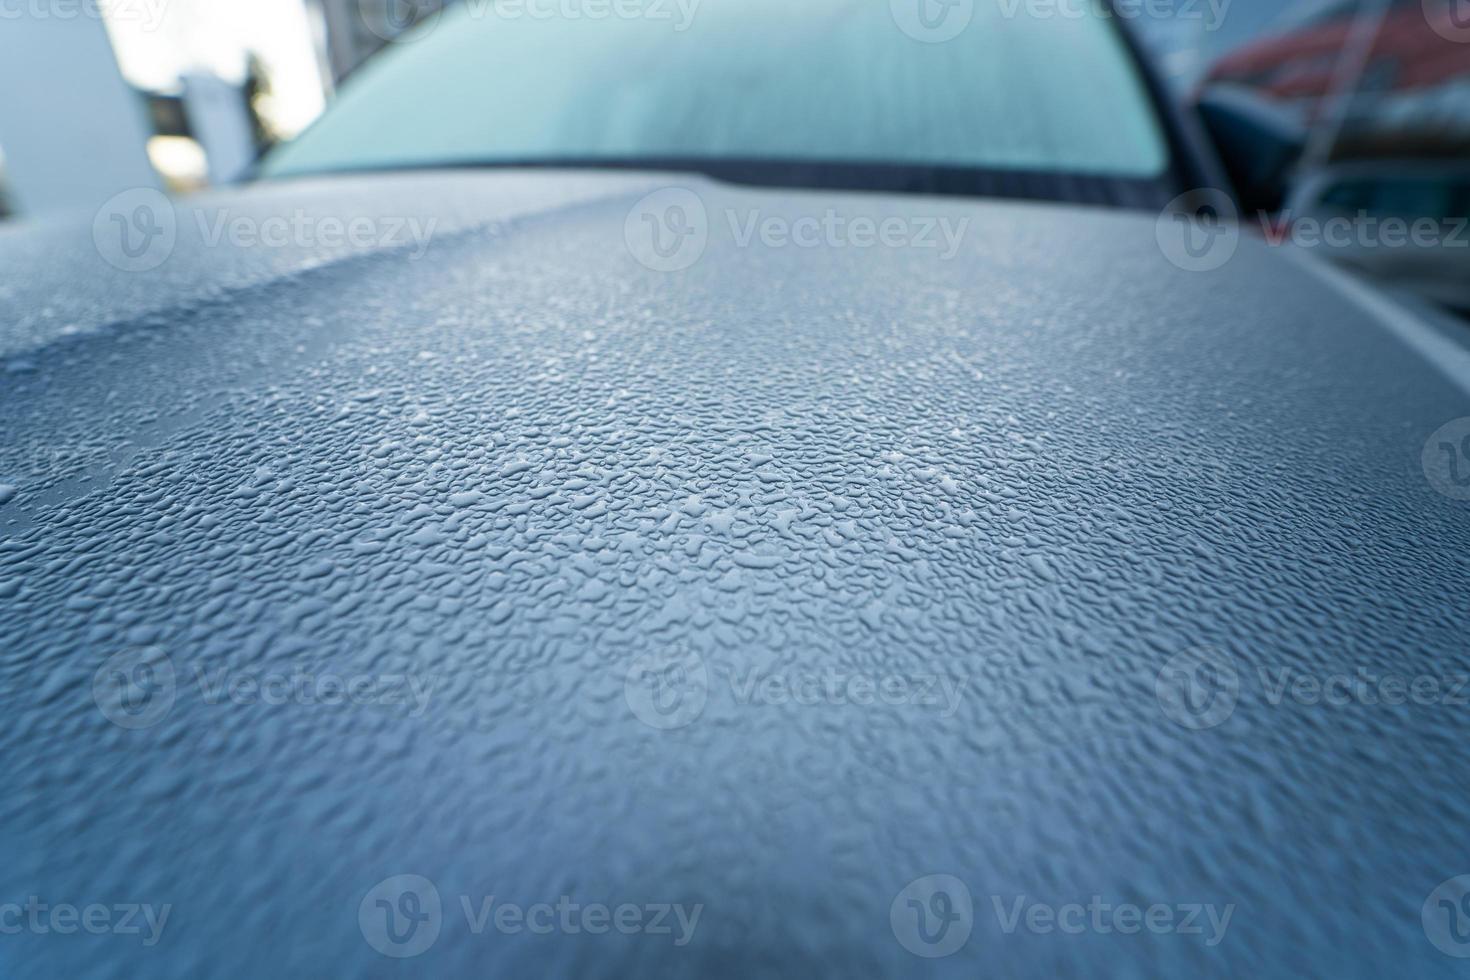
(770,584)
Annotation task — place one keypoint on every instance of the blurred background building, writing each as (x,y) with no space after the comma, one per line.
(1407,91)
(354,30)
(186,93)
(103,95)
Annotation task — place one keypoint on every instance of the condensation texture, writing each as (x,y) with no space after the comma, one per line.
(1044,467)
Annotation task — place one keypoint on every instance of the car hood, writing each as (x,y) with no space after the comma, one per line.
(770,581)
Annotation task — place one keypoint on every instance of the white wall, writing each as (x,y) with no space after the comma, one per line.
(74,133)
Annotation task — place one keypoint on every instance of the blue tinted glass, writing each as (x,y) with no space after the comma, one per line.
(862,81)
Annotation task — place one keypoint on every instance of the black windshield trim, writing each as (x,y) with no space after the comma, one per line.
(1035,185)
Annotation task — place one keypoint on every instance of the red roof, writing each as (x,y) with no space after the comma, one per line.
(1301,64)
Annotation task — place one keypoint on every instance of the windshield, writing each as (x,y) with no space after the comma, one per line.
(850,81)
